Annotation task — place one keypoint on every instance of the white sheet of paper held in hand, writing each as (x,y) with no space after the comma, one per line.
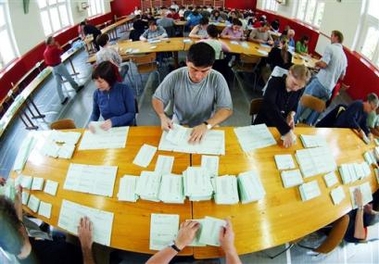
(163,230)
(145,155)
(210,231)
(177,134)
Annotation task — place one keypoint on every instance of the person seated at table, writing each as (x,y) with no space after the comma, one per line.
(165,21)
(154,32)
(275,25)
(373,122)
(261,35)
(186,235)
(200,96)
(302,45)
(355,116)
(38,247)
(231,16)
(280,102)
(138,28)
(280,56)
(290,38)
(235,32)
(193,18)
(89,29)
(200,30)
(362,220)
(146,17)
(216,17)
(113,100)
(173,14)
(218,46)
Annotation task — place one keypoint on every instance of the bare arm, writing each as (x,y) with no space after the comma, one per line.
(359,230)
(85,236)
(227,244)
(158,106)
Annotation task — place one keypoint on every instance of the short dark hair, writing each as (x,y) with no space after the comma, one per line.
(11,240)
(108,71)
(339,35)
(236,22)
(212,31)
(152,22)
(204,21)
(201,54)
(49,40)
(102,40)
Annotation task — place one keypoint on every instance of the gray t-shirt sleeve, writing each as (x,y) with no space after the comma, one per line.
(165,91)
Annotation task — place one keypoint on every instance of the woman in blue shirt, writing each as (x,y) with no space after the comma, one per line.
(113,100)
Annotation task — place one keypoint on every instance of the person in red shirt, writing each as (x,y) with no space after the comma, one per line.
(52,57)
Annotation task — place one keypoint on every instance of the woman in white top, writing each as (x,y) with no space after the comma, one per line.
(200,30)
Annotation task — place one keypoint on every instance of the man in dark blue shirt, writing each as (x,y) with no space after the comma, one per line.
(355,115)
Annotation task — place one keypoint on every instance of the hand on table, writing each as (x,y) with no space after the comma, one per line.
(85,233)
(289,139)
(227,238)
(187,233)
(198,133)
(166,123)
(106,125)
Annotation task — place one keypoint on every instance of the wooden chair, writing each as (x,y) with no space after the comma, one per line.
(334,238)
(255,107)
(249,64)
(63,124)
(145,63)
(313,103)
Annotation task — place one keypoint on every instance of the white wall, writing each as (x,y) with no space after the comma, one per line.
(27,28)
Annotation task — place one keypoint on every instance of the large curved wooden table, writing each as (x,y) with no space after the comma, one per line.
(278,218)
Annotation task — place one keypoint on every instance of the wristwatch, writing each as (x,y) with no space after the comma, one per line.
(209,126)
(173,246)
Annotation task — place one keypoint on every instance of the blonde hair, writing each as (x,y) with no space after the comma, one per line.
(300,72)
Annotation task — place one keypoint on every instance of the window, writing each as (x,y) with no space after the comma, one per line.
(54,15)
(311,11)
(369,33)
(270,5)
(8,50)
(96,7)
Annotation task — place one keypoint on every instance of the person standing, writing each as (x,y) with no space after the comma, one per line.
(200,95)
(332,66)
(52,57)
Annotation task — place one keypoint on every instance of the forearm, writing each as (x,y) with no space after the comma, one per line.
(88,256)
(123,119)
(232,258)
(221,115)
(158,107)
(359,230)
(163,256)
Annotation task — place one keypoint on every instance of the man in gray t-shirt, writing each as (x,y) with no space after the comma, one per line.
(200,95)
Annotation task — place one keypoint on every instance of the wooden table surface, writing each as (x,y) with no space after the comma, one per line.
(278,218)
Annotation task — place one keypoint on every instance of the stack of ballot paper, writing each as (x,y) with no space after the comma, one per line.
(312,141)
(115,137)
(210,163)
(309,190)
(330,179)
(226,190)
(315,161)
(148,185)
(176,139)
(60,144)
(366,194)
(337,195)
(197,184)
(210,231)
(127,189)
(352,172)
(284,162)
(291,178)
(369,157)
(24,181)
(171,189)
(254,137)
(24,152)
(250,187)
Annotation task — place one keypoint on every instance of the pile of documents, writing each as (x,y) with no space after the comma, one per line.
(24,152)
(250,187)
(254,137)
(148,185)
(164,229)
(226,190)
(312,141)
(60,144)
(176,139)
(197,184)
(284,162)
(115,137)
(291,178)
(315,161)
(352,172)
(309,190)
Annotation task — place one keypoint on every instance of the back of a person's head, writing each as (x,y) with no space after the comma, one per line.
(11,239)
(152,22)
(201,54)
(212,31)
(204,21)
(372,98)
(102,40)
(49,40)
(300,72)
(339,35)
(106,70)
(236,22)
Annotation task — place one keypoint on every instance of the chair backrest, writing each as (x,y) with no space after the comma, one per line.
(313,103)
(145,63)
(249,59)
(170,31)
(335,236)
(63,124)
(255,107)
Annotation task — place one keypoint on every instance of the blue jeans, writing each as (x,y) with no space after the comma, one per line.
(316,89)
(60,71)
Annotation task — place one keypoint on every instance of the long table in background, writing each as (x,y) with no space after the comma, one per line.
(281,216)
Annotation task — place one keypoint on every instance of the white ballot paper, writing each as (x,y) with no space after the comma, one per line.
(51,187)
(91,179)
(337,195)
(45,209)
(254,137)
(127,189)
(210,231)
(163,230)
(145,155)
(102,221)
(284,162)
(115,137)
(210,163)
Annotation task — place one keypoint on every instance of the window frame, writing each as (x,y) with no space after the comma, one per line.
(6,28)
(271,5)
(53,19)
(308,3)
(95,7)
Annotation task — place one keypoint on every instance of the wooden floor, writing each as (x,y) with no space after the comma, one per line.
(79,108)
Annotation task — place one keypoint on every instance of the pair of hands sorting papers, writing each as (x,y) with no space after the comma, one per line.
(164,229)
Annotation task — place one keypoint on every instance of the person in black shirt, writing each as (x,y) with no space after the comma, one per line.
(89,29)
(280,56)
(280,102)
